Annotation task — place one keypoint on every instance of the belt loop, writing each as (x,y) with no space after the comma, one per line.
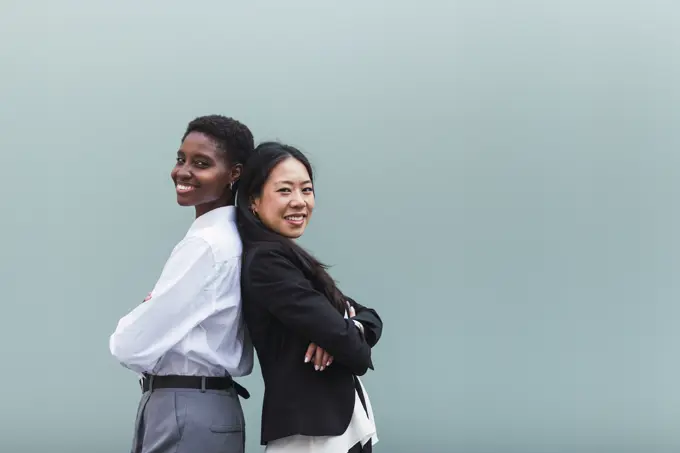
(151,383)
(202,384)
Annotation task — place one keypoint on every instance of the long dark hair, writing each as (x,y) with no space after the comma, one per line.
(255,173)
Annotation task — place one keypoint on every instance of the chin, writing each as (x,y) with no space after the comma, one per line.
(183,202)
(288,233)
(294,234)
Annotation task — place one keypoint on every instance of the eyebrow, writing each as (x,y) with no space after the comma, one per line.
(197,154)
(292,183)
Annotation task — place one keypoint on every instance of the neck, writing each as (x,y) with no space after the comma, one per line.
(205,208)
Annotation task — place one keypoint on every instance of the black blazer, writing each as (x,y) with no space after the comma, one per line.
(284,313)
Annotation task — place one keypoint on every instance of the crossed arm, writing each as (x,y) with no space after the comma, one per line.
(274,281)
(368,322)
(179,301)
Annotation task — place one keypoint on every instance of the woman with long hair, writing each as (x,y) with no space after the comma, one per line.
(312,341)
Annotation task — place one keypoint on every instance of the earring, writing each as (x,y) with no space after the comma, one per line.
(231,186)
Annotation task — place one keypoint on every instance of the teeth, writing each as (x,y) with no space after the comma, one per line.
(294,217)
(183,187)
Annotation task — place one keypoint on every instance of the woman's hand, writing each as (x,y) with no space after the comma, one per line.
(320,357)
(352,313)
(350,310)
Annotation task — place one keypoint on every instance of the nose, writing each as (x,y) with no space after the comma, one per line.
(183,173)
(297,201)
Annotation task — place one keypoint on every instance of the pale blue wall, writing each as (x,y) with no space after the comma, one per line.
(497,178)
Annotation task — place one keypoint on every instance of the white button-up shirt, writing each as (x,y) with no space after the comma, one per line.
(191,322)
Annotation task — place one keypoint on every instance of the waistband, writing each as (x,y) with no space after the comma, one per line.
(150,382)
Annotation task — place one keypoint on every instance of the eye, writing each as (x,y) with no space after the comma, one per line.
(180,160)
(308,190)
(201,164)
(284,190)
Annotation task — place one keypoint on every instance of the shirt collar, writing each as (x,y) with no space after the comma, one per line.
(217,215)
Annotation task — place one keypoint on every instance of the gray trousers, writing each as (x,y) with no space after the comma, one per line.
(189,421)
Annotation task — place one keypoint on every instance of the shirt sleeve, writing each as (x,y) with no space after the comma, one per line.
(283,290)
(181,299)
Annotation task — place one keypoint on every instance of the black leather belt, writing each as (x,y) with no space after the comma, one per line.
(151,382)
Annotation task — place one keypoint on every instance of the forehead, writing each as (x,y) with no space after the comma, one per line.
(289,170)
(198,142)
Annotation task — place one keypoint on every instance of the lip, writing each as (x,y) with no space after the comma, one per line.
(182,187)
(296,222)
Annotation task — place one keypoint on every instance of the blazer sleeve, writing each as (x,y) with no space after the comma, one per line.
(273,281)
(371,321)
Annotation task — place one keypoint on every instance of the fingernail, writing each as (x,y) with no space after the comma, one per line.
(316,367)
(306,359)
(322,368)
(328,363)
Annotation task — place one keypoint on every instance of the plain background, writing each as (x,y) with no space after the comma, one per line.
(497,178)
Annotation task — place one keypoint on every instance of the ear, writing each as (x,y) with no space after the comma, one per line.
(254,204)
(236,170)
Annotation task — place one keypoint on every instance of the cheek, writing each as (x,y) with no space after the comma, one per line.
(274,207)
(271,211)
(215,182)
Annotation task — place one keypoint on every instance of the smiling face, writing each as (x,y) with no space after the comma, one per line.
(202,174)
(286,202)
